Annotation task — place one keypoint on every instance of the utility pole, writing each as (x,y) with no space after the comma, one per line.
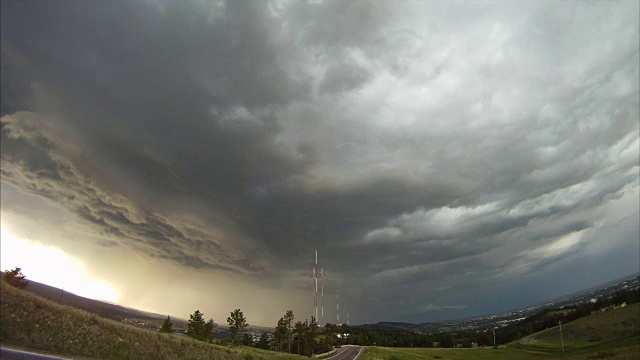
(561,340)
(494,338)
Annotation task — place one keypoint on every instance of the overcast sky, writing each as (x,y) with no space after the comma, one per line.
(446,159)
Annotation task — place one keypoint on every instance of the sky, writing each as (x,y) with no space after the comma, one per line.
(446,159)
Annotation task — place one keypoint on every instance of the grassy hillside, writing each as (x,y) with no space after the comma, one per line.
(603,326)
(614,335)
(613,332)
(380,353)
(31,322)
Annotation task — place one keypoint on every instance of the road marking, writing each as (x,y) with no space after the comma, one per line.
(346,353)
(359,352)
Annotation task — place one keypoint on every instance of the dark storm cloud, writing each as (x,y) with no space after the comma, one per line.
(241,135)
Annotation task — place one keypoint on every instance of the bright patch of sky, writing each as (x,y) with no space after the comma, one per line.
(50,265)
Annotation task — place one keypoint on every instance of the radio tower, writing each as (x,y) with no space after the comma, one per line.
(315,280)
(321,296)
(337,310)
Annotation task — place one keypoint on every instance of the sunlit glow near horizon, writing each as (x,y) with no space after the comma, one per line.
(50,265)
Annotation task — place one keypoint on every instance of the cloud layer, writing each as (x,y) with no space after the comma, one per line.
(414,144)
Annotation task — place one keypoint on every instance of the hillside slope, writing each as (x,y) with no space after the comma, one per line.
(110,311)
(613,332)
(32,322)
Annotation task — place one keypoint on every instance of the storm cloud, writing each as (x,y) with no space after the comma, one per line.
(423,148)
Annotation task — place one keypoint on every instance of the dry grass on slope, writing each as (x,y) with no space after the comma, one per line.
(29,321)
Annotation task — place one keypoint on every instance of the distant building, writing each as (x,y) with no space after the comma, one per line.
(474,345)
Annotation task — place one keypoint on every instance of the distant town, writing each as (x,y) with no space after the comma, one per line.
(500,320)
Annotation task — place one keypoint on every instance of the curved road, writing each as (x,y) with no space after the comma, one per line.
(348,353)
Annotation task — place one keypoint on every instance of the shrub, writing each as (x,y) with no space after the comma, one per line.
(603,354)
(594,338)
(16,278)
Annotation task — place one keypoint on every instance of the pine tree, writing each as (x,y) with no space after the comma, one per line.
(288,319)
(311,334)
(263,343)
(198,328)
(280,333)
(167,325)
(247,339)
(237,322)
(299,330)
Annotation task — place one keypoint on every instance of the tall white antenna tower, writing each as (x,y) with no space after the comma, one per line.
(347,319)
(315,279)
(322,296)
(337,309)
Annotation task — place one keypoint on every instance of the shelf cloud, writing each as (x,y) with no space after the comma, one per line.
(446,153)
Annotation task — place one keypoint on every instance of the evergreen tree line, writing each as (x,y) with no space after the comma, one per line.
(302,338)
(199,329)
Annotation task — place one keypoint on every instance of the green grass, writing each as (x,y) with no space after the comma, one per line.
(379,353)
(613,335)
(560,312)
(618,351)
(611,325)
(613,331)
(33,323)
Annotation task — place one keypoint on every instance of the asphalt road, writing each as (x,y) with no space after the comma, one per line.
(9,354)
(348,353)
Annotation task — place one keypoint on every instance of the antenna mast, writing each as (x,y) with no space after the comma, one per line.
(337,309)
(321,296)
(315,278)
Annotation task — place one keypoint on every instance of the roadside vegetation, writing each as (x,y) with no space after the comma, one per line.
(302,337)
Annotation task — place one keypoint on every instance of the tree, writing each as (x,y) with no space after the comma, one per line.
(16,278)
(247,339)
(280,333)
(198,328)
(288,319)
(263,343)
(167,325)
(446,341)
(299,329)
(237,322)
(313,330)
